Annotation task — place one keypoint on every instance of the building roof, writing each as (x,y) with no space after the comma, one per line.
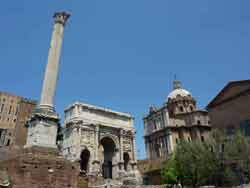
(21,98)
(178,91)
(97,108)
(230,91)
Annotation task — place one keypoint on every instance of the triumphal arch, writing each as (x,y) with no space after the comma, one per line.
(101,140)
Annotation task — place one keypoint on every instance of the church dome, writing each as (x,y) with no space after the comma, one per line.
(178,91)
(181,92)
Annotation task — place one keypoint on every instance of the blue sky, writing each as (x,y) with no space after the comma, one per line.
(123,54)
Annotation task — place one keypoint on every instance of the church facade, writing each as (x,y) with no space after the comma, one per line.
(101,140)
(178,119)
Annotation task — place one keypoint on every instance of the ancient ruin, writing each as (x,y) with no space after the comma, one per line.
(43,126)
(102,140)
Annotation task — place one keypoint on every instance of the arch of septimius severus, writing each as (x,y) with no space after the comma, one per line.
(102,140)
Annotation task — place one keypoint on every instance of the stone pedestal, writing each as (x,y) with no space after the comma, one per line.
(96,170)
(115,171)
(43,128)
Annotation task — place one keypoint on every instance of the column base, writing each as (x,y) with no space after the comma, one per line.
(42,129)
(95,169)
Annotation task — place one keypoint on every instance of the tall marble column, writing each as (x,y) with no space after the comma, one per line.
(43,125)
(51,72)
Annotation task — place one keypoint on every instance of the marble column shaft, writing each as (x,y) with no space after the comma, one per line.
(51,72)
(134,147)
(96,142)
(121,145)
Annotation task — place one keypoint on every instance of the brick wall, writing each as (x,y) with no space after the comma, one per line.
(230,113)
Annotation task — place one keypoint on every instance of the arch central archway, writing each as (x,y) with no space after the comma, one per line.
(108,146)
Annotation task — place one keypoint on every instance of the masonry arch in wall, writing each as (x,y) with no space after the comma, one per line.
(84,161)
(126,159)
(109,150)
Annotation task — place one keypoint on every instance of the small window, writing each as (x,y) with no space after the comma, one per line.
(2,107)
(16,110)
(176,140)
(198,122)
(8,142)
(171,112)
(181,109)
(191,108)
(154,123)
(10,109)
(245,127)
(202,139)
(14,120)
(8,119)
(230,130)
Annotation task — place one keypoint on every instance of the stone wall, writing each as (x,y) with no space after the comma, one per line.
(41,170)
(151,171)
(26,109)
(230,113)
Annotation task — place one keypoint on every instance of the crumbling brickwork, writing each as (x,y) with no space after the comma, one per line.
(39,170)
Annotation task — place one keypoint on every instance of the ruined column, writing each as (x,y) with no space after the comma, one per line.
(43,125)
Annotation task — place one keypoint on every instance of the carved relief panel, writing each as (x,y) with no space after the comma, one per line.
(127,144)
(87,138)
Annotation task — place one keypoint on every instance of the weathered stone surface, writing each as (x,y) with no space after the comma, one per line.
(151,171)
(51,73)
(102,140)
(41,169)
(4,178)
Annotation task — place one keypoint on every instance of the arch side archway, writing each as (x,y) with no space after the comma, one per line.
(84,161)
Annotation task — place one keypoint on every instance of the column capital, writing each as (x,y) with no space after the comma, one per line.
(61,17)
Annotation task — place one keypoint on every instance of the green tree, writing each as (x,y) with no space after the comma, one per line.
(236,159)
(169,174)
(192,164)
(223,161)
